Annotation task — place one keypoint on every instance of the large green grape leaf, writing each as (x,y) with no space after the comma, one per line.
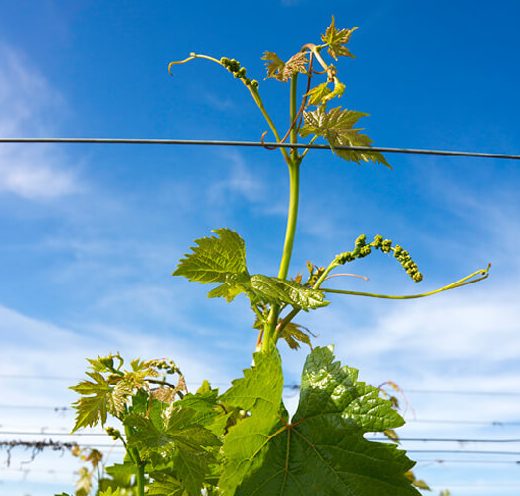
(260,394)
(214,258)
(322,450)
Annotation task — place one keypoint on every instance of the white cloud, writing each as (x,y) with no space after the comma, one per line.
(28,106)
(240,181)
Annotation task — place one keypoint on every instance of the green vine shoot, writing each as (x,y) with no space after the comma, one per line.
(242,442)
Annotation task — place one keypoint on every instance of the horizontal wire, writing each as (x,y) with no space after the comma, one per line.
(51,433)
(451,451)
(463,392)
(466,452)
(445,440)
(153,141)
(494,423)
(401,439)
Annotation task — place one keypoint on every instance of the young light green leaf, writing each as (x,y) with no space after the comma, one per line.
(260,394)
(283,71)
(337,127)
(273,64)
(336,39)
(214,258)
(274,290)
(318,93)
(323,449)
(294,334)
(99,398)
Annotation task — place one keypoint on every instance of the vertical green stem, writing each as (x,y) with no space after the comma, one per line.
(139,465)
(269,338)
(140,479)
(292,217)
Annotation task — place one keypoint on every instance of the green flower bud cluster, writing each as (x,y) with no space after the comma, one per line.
(113,433)
(362,249)
(168,366)
(233,66)
(404,258)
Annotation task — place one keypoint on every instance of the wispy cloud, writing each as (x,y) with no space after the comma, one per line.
(28,106)
(240,181)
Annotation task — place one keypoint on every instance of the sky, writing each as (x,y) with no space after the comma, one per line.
(89,235)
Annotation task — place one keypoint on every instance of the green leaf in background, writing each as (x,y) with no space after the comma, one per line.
(322,450)
(337,127)
(260,394)
(110,492)
(214,258)
(336,39)
(165,485)
(177,437)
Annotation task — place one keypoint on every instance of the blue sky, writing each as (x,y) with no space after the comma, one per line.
(90,234)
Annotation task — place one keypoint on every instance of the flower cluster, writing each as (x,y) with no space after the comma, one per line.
(233,66)
(362,249)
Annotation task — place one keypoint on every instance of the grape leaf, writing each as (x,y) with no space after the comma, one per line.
(283,71)
(294,334)
(215,258)
(318,93)
(274,64)
(337,127)
(274,290)
(110,492)
(178,438)
(223,259)
(260,393)
(100,397)
(336,39)
(322,450)
(165,485)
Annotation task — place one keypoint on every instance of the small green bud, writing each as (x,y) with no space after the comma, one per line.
(364,251)
(361,240)
(254,83)
(378,240)
(386,245)
(113,433)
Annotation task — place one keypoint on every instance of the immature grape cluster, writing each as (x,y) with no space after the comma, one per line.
(233,66)
(362,249)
